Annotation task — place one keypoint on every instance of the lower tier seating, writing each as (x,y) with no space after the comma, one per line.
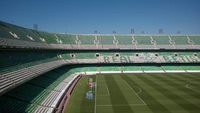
(13,79)
(43,93)
(40,94)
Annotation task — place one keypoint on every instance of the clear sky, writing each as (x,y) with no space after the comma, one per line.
(85,16)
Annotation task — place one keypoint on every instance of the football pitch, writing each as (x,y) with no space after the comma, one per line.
(137,93)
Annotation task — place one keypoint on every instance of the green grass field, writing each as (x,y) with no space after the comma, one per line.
(138,93)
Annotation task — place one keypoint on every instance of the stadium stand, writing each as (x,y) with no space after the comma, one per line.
(19,37)
(144,42)
(38,68)
(162,42)
(88,41)
(195,39)
(151,68)
(131,68)
(40,94)
(125,42)
(107,41)
(180,40)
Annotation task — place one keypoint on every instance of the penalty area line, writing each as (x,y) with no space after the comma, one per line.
(107,90)
(135,93)
(188,87)
(107,105)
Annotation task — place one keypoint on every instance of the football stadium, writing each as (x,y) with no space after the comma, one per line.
(96,73)
(43,70)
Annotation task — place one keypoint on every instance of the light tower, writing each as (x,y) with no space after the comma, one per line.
(178,32)
(114,32)
(142,32)
(132,31)
(35,27)
(95,32)
(160,31)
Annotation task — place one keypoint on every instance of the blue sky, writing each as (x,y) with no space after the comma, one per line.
(85,16)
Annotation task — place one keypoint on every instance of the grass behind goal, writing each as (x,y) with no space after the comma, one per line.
(138,93)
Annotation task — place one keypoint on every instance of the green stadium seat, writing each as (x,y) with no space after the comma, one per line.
(161,40)
(180,40)
(131,68)
(195,39)
(143,40)
(106,39)
(32,78)
(191,67)
(124,40)
(86,39)
(171,67)
(67,39)
(151,68)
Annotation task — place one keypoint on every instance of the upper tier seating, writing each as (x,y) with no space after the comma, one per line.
(86,39)
(161,40)
(195,39)
(15,32)
(13,36)
(106,39)
(180,40)
(124,40)
(143,40)
(67,39)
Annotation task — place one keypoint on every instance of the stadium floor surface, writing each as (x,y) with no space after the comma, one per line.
(138,93)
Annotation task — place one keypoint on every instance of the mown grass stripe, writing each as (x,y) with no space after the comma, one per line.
(189,107)
(116,96)
(153,104)
(188,77)
(184,78)
(78,103)
(179,87)
(86,105)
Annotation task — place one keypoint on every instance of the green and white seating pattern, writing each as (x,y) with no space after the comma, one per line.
(33,60)
(19,37)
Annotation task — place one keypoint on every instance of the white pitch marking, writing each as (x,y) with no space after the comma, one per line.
(121,105)
(188,87)
(140,90)
(135,93)
(108,93)
(95,107)
(108,90)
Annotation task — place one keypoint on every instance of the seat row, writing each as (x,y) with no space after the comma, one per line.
(14,43)
(12,79)
(45,96)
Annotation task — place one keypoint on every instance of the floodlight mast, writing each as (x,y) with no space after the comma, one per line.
(178,32)
(132,31)
(95,32)
(35,27)
(142,32)
(160,31)
(114,32)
